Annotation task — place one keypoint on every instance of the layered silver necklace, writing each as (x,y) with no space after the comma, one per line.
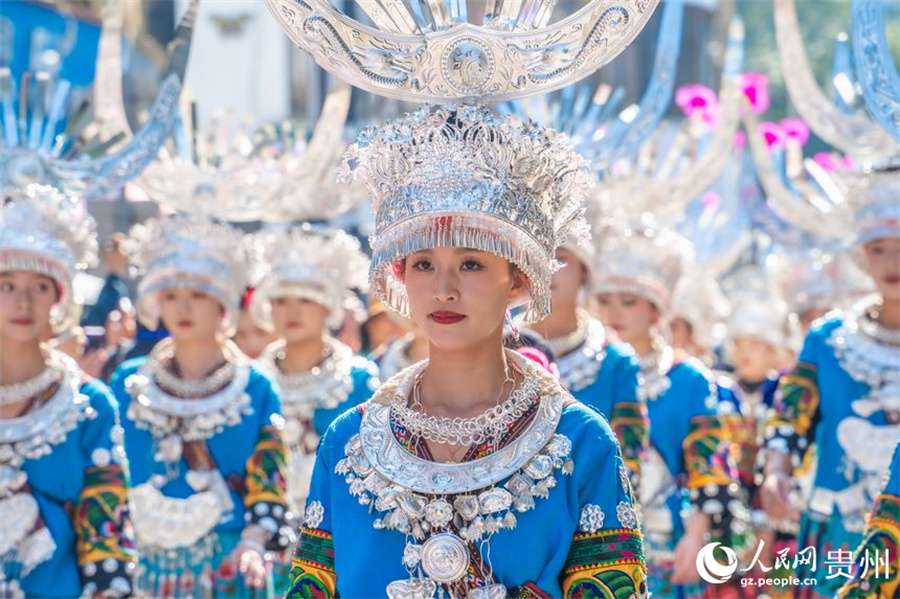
(29,437)
(870,354)
(580,354)
(19,392)
(324,386)
(440,508)
(655,368)
(490,424)
(165,414)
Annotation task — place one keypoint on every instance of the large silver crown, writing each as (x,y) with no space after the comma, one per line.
(643,259)
(309,262)
(192,252)
(49,147)
(449,51)
(48,232)
(461,177)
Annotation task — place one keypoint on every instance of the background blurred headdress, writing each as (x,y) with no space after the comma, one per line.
(191,252)
(50,233)
(317,264)
(643,259)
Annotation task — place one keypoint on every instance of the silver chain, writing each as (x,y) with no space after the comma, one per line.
(17,392)
(466,431)
(868,324)
(164,353)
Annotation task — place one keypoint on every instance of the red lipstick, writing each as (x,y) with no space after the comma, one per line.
(23,322)
(185,323)
(446,317)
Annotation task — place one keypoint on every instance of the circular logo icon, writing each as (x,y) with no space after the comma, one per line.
(709,567)
(468,65)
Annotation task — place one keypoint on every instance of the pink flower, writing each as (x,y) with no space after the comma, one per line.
(831,162)
(796,129)
(756,90)
(773,134)
(711,199)
(698,100)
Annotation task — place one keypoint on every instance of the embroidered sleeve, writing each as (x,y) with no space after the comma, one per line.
(791,423)
(708,460)
(265,500)
(876,573)
(105,542)
(606,557)
(312,569)
(629,419)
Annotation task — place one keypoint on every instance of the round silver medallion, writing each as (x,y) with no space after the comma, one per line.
(445,557)
(468,65)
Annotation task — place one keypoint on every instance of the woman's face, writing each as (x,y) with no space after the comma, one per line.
(251,338)
(682,335)
(26,299)
(883,265)
(630,316)
(298,320)
(458,297)
(568,280)
(753,358)
(190,315)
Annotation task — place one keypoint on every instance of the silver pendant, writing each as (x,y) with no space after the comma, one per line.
(414,588)
(491,591)
(445,557)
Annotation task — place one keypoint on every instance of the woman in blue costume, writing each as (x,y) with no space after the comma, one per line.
(64,529)
(202,426)
(473,473)
(600,373)
(306,273)
(876,574)
(687,484)
(844,396)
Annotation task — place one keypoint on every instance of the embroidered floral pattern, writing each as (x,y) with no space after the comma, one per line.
(105,545)
(608,563)
(312,573)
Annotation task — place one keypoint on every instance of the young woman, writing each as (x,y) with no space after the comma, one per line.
(300,297)
(688,455)
(64,528)
(600,373)
(435,486)
(843,395)
(202,426)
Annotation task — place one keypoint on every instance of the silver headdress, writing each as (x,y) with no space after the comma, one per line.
(822,280)
(645,260)
(461,177)
(243,172)
(188,252)
(699,301)
(47,232)
(313,263)
(47,145)
(758,309)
